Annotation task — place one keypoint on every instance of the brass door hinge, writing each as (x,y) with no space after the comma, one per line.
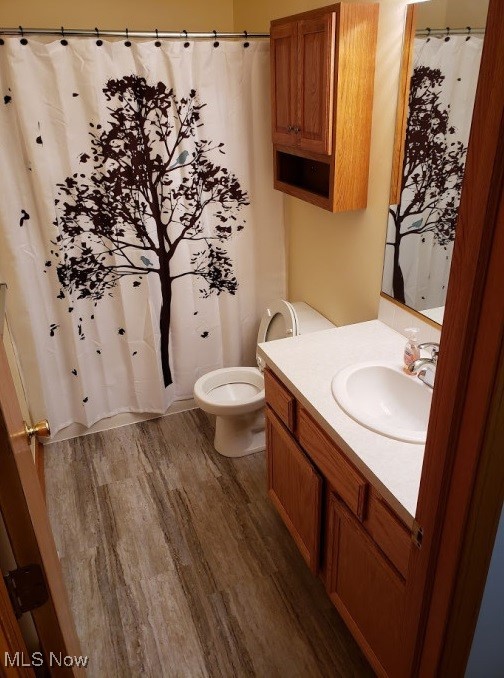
(417,535)
(26,588)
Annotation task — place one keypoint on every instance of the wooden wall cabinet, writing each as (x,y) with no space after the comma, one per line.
(322,79)
(342,526)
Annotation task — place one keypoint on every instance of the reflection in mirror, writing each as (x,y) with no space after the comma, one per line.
(422,220)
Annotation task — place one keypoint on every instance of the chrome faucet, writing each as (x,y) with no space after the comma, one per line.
(426,367)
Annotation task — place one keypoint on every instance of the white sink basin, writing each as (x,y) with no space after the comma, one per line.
(384,399)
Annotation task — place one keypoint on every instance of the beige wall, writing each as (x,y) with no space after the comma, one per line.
(453,13)
(335,260)
(461,13)
(135,14)
(432,14)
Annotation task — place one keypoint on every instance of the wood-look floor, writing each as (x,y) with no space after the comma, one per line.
(177,564)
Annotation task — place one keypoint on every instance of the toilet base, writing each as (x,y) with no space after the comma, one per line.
(239,435)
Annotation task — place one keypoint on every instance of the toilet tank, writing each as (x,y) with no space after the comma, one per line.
(310,320)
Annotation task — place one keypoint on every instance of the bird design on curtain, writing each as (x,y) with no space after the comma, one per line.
(153,187)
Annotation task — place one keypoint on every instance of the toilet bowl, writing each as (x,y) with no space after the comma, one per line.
(235,395)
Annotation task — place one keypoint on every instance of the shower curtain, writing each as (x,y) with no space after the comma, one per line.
(140,236)
(421,228)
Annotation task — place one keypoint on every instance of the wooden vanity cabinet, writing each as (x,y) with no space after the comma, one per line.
(322,80)
(341,524)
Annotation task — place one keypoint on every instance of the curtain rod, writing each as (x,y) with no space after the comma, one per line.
(434,32)
(97,33)
(78,32)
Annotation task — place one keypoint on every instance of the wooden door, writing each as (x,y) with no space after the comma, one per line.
(315,83)
(283,46)
(367,591)
(461,488)
(295,488)
(25,516)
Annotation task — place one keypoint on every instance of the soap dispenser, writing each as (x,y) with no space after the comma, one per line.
(411,350)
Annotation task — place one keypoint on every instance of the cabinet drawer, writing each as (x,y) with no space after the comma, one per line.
(391,535)
(343,478)
(295,488)
(280,400)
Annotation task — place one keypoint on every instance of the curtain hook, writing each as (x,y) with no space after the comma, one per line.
(216,42)
(469,29)
(447,34)
(157,43)
(127,42)
(23,40)
(186,43)
(98,41)
(64,41)
(246,43)
(428,33)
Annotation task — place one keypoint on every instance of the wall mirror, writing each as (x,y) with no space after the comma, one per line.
(441,58)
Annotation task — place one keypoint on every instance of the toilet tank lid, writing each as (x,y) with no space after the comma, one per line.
(310,320)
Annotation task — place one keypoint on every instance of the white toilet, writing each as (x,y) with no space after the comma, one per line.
(236,394)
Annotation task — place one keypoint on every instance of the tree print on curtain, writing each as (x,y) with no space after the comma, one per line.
(151,189)
(432,173)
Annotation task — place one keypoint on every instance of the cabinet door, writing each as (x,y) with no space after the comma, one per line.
(283,46)
(295,488)
(364,587)
(315,83)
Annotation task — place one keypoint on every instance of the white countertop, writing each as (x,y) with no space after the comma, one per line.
(306,365)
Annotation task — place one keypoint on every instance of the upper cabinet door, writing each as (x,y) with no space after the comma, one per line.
(283,43)
(315,83)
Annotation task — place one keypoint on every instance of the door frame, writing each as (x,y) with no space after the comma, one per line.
(462,483)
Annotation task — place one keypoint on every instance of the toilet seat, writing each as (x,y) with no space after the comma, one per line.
(279,321)
(230,390)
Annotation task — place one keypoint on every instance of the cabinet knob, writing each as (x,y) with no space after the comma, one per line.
(290,128)
(296,130)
